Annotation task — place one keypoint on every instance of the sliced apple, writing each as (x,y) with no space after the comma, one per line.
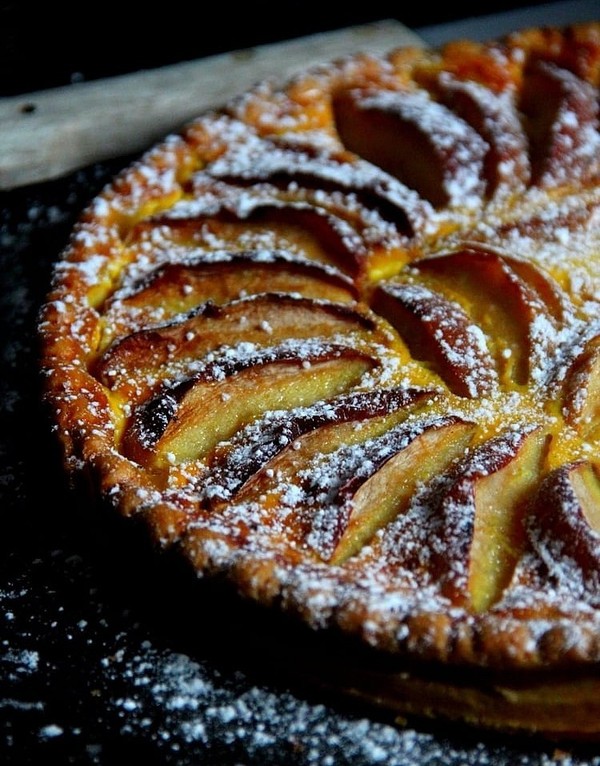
(290,167)
(219,276)
(564,525)
(351,235)
(270,451)
(477,517)
(438,331)
(494,116)
(398,462)
(348,213)
(562,121)
(581,390)
(555,299)
(329,231)
(508,300)
(137,363)
(294,227)
(186,419)
(416,139)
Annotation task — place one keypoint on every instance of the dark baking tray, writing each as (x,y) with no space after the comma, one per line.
(109,655)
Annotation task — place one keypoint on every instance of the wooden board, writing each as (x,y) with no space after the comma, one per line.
(49,133)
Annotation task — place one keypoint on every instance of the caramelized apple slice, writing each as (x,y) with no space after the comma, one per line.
(475,528)
(137,363)
(503,294)
(581,397)
(372,498)
(438,331)
(464,530)
(564,525)
(291,166)
(341,241)
(417,140)
(351,235)
(562,120)
(296,227)
(329,226)
(270,451)
(333,234)
(187,418)
(219,276)
(494,116)
(556,301)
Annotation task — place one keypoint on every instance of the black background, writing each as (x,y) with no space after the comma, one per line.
(108,656)
(47,44)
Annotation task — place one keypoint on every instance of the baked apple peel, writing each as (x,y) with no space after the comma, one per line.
(137,363)
(581,390)
(464,529)
(277,445)
(169,288)
(373,498)
(512,303)
(438,331)
(293,165)
(561,113)
(186,419)
(416,139)
(564,526)
(495,117)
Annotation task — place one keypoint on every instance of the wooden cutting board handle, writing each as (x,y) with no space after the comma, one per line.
(49,133)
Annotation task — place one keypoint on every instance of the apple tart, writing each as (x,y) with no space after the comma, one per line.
(337,344)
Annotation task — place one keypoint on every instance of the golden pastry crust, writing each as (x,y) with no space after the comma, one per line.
(339,342)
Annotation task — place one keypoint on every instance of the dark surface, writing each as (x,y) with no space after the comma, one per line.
(110,656)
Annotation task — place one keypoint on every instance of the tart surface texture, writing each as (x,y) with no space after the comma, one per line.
(338,342)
